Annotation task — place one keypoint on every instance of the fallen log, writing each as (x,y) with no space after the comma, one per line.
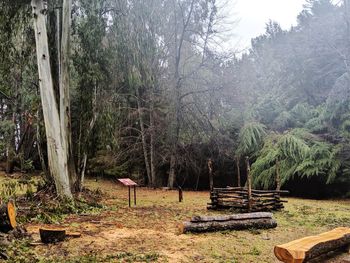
(305,249)
(220,218)
(229,222)
(7,217)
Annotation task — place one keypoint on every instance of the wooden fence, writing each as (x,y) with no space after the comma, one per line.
(246,200)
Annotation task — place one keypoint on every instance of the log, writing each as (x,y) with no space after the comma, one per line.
(7,217)
(305,249)
(200,224)
(221,218)
(52,235)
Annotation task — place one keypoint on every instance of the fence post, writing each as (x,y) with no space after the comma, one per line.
(249,184)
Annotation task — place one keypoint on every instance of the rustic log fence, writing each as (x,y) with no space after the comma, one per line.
(239,198)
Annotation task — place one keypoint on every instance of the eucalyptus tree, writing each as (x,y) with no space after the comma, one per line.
(56,134)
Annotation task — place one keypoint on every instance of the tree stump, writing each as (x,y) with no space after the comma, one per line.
(7,217)
(52,235)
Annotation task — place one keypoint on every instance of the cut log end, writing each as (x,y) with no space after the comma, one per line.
(11,212)
(52,235)
(312,247)
(8,217)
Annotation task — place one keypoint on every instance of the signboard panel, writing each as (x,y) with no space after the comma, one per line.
(127,182)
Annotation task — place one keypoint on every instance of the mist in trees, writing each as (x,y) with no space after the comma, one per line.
(141,89)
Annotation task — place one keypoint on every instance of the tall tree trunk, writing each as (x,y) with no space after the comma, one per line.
(143,137)
(172,174)
(57,156)
(80,180)
(64,90)
(179,40)
(238,171)
(152,142)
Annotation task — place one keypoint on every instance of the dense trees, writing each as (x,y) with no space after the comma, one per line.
(130,88)
(299,81)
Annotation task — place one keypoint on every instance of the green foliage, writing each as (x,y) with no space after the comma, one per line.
(9,190)
(251,138)
(321,161)
(300,154)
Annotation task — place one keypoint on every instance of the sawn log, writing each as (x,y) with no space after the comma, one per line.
(228,222)
(7,217)
(305,249)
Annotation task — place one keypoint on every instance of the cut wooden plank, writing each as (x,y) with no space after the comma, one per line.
(304,249)
(7,217)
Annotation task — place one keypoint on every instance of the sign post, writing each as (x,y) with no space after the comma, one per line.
(129,183)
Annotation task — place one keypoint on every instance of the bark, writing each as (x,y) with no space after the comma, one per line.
(172,175)
(305,249)
(57,157)
(211,179)
(249,185)
(235,224)
(221,218)
(143,137)
(278,177)
(238,172)
(152,143)
(82,173)
(65,119)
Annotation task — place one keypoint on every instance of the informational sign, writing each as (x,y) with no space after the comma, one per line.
(129,183)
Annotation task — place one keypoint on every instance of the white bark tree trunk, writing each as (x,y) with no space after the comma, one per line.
(64,89)
(57,156)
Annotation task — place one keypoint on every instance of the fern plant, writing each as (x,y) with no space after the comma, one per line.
(251,138)
(299,154)
(287,149)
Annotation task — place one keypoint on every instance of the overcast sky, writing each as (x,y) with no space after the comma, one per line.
(252,15)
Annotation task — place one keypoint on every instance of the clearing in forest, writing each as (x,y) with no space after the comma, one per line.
(148,232)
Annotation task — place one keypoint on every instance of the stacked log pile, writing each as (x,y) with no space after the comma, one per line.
(199,224)
(246,201)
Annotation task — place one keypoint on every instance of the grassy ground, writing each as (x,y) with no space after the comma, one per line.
(148,232)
